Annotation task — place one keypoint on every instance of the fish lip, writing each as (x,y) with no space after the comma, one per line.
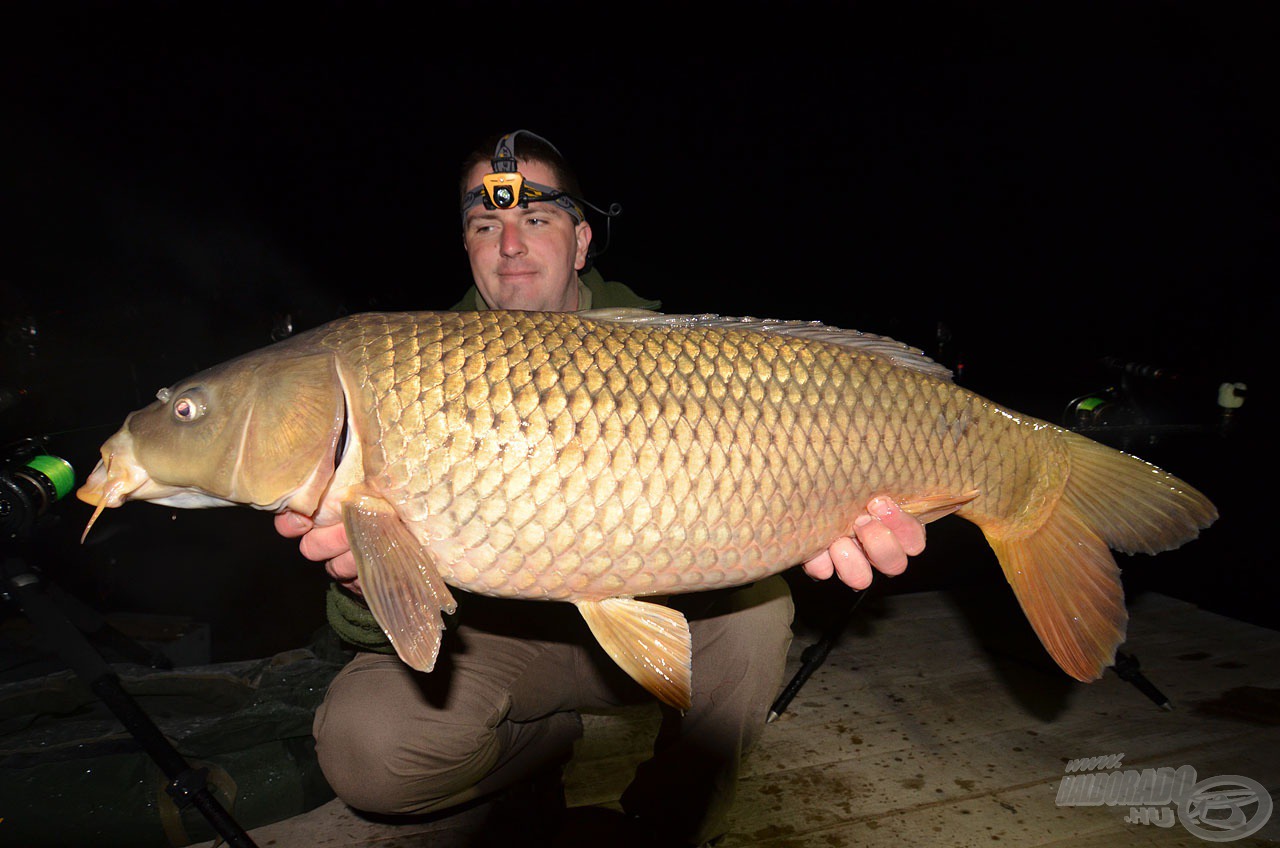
(116,477)
(94,488)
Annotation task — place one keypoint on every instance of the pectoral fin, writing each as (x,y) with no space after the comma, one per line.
(649,641)
(400,582)
(938,506)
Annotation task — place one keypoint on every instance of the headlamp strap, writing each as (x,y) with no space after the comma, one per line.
(506,186)
(504,154)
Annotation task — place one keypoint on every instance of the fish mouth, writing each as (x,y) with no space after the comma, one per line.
(115,478)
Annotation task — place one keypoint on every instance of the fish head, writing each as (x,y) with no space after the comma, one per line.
(261,430)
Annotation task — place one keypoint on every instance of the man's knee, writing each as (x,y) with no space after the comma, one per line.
(753,630)
(741,654)
(372,768)
(385,755)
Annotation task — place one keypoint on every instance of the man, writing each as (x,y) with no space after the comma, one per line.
(503,705)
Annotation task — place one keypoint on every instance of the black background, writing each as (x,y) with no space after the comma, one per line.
(1050,187)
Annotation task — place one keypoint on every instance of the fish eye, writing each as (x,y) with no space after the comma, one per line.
(189,406)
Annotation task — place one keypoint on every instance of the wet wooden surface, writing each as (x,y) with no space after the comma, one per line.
(938,720)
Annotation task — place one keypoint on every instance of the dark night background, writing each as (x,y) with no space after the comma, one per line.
(1019,193)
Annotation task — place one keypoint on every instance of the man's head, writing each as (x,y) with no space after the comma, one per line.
(526,256)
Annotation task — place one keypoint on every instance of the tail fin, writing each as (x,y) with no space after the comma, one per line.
(1063,573)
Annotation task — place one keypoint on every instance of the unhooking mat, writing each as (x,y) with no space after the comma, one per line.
(70,774)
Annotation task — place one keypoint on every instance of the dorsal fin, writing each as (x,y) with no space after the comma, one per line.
(899,353)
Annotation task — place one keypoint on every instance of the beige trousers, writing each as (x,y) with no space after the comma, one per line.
(503,704)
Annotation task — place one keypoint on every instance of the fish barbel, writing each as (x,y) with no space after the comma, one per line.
(601,457)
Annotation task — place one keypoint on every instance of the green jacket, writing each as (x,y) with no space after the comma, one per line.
(347,613)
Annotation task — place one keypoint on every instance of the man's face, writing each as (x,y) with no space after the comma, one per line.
(526,258)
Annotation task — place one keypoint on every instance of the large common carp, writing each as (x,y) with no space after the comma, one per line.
(604,456)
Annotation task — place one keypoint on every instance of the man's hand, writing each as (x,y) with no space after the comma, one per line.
(885,537)
(322,544)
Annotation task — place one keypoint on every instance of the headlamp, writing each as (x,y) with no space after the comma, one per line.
(506,187)
(503,190)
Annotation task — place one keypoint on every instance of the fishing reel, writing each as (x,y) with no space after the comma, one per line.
(31,481)
(1148,402)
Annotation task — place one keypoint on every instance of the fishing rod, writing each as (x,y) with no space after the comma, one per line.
(814,656)
(27,489)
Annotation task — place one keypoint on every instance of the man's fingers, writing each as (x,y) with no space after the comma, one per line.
(820,567)
(850,563)
(343,569)
(906,528)
(880,547)
(324,543)
(291,525)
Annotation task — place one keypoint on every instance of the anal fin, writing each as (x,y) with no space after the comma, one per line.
(650,642)
(933,507)
(401,584)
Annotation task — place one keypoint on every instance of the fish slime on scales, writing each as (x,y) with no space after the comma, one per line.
(601,457)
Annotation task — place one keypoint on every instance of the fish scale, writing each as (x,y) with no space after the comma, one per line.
(603,457)
(688,447)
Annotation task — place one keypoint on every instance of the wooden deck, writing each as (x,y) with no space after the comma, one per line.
(935,721)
